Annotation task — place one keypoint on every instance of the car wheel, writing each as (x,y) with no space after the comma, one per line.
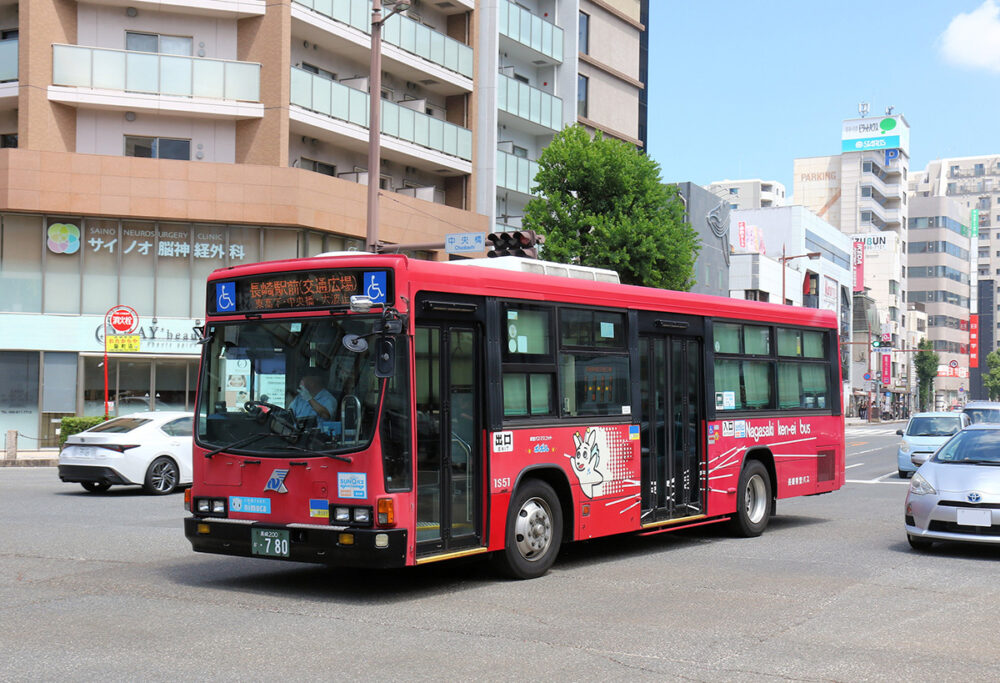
(95,486)
(753,509)
(534,532)
(919,543)
(903,474)
(162,476)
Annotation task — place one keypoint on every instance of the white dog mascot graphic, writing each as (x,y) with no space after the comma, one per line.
(585,461)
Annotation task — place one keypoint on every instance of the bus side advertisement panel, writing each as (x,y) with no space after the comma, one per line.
(600,464)
(808,454)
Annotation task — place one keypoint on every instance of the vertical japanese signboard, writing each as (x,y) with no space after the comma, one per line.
(859,266)
(973,341)
(887,369)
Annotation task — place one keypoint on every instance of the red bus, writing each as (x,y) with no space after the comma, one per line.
(378,411)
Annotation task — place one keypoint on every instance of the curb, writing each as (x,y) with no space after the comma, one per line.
(34,462)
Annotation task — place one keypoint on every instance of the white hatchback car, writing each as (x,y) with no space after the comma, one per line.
(150,449)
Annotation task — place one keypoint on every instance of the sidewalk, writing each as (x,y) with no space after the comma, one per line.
(857,422)
(44,458)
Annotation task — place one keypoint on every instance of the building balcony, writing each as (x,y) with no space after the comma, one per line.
(889,217)
(888,189)
(529,37)
(514,173)
(410,49)
(101,78)
(234,9)
(332,111)
(533,110)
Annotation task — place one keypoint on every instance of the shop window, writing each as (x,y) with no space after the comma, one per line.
(19,394)
(62,265)
(138,266)
(21,263)
(173,270)
(100,265)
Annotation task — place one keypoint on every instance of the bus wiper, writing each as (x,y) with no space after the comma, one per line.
(328,454)
(241,442)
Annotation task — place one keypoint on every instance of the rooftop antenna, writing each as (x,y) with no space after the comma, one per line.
(863,109)
(888,110)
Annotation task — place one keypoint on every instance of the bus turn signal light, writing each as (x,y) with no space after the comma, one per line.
(386,512)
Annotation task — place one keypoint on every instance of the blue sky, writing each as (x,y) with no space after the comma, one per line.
(739,89)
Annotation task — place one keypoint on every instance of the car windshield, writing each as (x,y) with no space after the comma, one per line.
(971,446)
(977,415)
(275,387)
(119,425)
(934,426)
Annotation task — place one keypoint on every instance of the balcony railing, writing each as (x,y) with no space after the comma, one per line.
(401,31)
(515,173)
(159,74)
(8,60)
(338,101)
(530,30)
(526,102)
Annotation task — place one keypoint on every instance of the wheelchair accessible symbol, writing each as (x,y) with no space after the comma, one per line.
(375,286)
(225,297)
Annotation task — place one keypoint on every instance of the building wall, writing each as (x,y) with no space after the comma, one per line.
(710,218)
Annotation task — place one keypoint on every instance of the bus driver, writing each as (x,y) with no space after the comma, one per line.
(313,400)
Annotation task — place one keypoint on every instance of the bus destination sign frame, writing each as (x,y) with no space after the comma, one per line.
(297,291)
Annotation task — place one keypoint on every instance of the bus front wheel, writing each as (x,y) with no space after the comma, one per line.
(534,531)
(753,508)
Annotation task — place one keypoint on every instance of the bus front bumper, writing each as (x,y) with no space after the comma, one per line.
(372,548)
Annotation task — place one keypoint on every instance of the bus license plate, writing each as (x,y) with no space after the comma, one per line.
(269,542)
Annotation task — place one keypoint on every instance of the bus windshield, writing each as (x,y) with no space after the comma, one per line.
(282,387)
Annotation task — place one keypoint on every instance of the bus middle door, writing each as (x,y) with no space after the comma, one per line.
(449,398)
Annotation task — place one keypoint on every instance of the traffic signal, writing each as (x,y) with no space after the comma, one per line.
(527,243)
(523,243)
(879,344)
(501,243)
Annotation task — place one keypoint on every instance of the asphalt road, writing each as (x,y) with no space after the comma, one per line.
(106,586)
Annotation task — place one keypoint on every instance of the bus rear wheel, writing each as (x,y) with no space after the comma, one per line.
(753,508)
(534,531)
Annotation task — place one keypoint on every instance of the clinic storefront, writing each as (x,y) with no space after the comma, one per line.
(60,274)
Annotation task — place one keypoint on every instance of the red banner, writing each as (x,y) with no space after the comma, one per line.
(886,368)
(973,341)
(859,266)
(742,234)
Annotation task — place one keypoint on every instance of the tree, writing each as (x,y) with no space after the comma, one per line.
(927,365)
(601,203)
(991,380)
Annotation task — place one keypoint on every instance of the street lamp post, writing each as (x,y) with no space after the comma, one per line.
(785,259)
(375,118)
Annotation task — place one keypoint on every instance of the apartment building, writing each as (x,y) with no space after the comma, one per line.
(560,62)
(938,277)
(147,143)
(749,194)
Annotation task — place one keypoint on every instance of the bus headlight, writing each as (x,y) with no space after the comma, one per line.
(342,514)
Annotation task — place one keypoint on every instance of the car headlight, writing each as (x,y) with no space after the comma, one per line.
(920,487)
(904,448)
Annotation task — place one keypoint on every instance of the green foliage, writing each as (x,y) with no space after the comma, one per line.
(991,379)
(73,425)
(601,203)
(927,364)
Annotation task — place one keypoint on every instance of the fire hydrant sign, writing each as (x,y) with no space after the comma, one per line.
(122,319)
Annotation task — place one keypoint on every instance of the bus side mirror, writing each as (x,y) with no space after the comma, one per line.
(385,357)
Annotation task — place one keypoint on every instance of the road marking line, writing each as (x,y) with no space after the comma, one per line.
(862,452)
(876,481)
(857,464)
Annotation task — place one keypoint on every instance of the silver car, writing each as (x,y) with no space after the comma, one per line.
(955,495)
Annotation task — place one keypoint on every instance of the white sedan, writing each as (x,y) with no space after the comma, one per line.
(150,449)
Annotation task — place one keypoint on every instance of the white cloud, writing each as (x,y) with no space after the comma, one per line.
(973,40)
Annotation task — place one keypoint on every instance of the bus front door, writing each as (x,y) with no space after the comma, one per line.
(672,395)
(448,366)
